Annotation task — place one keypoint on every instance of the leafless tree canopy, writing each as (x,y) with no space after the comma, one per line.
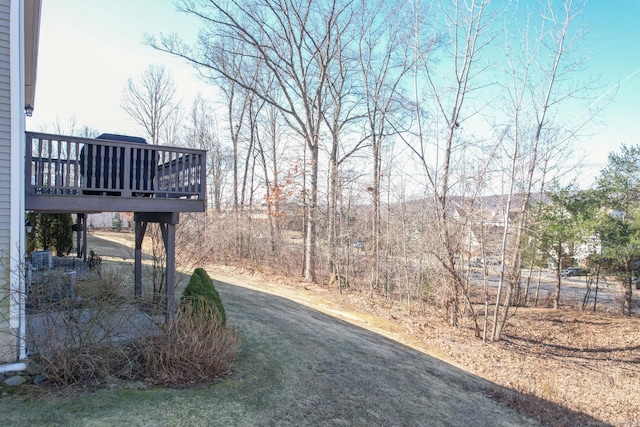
(381,146)
(151,103)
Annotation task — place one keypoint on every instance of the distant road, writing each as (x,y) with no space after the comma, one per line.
(572,290)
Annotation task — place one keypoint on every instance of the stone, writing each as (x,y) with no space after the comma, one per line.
(33,368)
(15,381)
(40,378)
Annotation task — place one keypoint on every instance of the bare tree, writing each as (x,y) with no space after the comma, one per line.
(151,102)
(538,69)
(271,143)
(71,128)
(201,131)
(237,100)
(446,100)
(343,122)
(295,42)
(384,62)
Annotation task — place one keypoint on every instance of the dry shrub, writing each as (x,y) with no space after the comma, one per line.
(109,287)
(87,364)
(53,289)
(192,349)
(86,344)
(77,330)
(89,331)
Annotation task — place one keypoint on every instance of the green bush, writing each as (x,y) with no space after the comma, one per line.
(31,238)
(202,298)
(116,223)
(53,231)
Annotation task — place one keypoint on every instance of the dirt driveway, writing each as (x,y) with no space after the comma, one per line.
(301,367)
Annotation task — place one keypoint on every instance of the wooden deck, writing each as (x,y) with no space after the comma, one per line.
(70,174)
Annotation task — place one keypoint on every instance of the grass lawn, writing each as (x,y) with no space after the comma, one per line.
(214,405)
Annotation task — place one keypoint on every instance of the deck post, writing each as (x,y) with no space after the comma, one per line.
(167,222)
(84,238)
(141,229)
(80,228)
(169,237)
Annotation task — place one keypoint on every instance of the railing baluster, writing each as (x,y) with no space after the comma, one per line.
(76,167)
(67,162)
(110,154)
(48,154)
(127,172)
(59,171)
(136,160)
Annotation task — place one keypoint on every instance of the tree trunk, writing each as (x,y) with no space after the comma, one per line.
(375,201)
(310,238)
(628,295)
(333,208)
(556,299)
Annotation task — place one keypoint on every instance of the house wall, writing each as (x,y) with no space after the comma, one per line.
(12,179)
(105,220)
(7,333)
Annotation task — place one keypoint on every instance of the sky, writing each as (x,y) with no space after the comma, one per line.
(89,48)
(613,53)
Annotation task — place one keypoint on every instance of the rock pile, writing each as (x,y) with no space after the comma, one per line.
(33,374)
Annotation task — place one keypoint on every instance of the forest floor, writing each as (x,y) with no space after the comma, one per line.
(561,367)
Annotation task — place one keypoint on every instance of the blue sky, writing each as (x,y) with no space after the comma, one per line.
(89,48)
(613,51)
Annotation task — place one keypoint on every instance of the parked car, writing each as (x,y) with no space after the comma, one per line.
(480,262)
(476,262)
(573,271)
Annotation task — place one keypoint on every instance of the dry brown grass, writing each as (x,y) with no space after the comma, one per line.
(582,362)
(192,349)
(553,365)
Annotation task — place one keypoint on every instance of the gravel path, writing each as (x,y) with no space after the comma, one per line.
(298,366)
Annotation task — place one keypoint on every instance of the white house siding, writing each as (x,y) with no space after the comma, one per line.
(7,333)
(105,220)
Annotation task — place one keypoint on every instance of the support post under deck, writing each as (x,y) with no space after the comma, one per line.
(167,222)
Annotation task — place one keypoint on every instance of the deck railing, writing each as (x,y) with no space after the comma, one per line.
(72,166)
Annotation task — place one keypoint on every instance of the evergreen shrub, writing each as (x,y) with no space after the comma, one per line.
(54,232)
(200,297)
